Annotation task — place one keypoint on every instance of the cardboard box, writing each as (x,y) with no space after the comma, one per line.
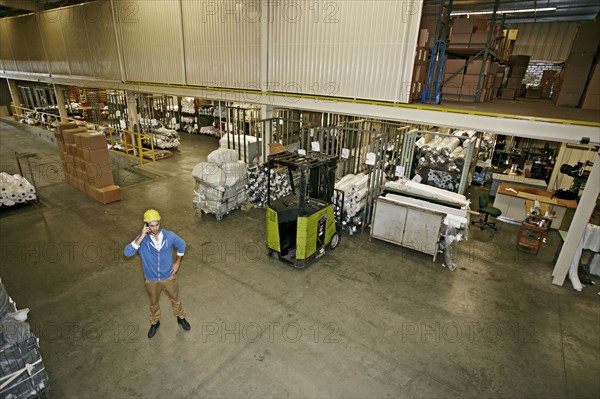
(497,82)
(95,156)
(420,73)
(587,38)
(474,67)
(508,94)
(517,72)
(421,56)
(104,168)
(463,25)
(68,134)
(591,101)
(58,135)
(93,141)
(546,93)
(459,40)
(514,83)
(566,99)
(66,126)
(518,60)
(78,152)
(593,84)
(452,66)
(471,80)
(456,80)
(423,38)
(534,92)
(451,89)
(493,68)
(478,40)
(61,146)
(481,25)
(108,194)
(100,180)
(510,34)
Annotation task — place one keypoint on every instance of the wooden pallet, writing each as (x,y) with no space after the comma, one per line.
(158,155)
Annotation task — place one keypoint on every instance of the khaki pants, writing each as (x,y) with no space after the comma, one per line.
(154,289)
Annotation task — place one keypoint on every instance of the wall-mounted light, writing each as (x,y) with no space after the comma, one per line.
(467,13)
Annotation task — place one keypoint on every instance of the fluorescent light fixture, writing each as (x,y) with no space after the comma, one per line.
(458,13)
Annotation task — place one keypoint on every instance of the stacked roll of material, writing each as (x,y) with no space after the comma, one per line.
(258,185)
(441,159)
(15,189)
(350,212)
(165,138)
(220,183)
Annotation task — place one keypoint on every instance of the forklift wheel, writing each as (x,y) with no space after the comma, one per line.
(335,240)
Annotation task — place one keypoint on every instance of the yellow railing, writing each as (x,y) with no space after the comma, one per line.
(122,141)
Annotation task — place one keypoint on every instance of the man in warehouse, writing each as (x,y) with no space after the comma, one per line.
(155,246)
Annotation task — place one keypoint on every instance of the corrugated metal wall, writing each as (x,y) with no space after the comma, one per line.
(6,52)
(549,41)
(102,40)
(51,31)
(222,43)
(76,42)
(152,42)
(356,49)
(361,49)
(26,44)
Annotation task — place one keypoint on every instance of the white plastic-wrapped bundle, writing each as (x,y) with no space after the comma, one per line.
(209,173)
(234,172)
(166,138)
(219,201)
(246,146)
(222,156)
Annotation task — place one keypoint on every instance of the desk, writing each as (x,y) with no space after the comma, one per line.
(499,178)
(512,203)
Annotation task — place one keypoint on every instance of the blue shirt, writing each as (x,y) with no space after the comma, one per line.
(157,257)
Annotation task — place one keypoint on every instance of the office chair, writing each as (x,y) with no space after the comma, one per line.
(487,210)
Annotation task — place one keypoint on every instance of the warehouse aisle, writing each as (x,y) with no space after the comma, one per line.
(367,320)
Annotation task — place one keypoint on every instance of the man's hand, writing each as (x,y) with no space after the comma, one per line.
(176,265)
(143,234)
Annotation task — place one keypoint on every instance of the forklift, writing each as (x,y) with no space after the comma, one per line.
(301,226)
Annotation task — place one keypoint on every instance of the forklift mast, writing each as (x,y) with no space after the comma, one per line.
(317,175)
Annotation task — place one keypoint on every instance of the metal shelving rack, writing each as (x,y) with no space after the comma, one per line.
(437,60)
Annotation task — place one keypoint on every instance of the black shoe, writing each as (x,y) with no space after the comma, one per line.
(184,324)
(153,328)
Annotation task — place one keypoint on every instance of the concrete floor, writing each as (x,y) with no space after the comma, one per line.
(368,320)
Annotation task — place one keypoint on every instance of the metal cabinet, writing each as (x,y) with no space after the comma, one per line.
(407,225)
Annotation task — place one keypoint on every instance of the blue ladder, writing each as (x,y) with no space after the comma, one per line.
(435,73)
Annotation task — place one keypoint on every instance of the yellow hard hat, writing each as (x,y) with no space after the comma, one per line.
(150,215)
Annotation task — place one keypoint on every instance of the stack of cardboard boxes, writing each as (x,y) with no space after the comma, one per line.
(573,77)
(429,21)
(461,80)
(419,77)
(517,67)
(472,33)
(85,162)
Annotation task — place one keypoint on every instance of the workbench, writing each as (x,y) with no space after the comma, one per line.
(510,199)
(499,178)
